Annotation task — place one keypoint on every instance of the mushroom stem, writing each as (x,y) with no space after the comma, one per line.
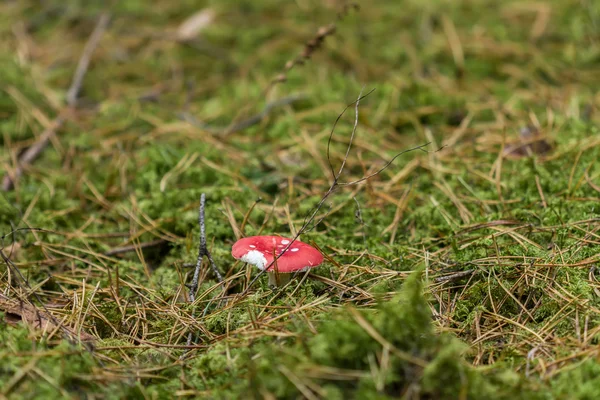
(278,279)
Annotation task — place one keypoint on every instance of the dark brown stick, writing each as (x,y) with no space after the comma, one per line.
(202,251)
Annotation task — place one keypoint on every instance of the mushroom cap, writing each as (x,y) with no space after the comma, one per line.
(260,251)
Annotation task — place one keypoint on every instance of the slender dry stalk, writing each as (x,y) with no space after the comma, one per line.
(202,252)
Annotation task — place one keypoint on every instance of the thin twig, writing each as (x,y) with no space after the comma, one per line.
(202,252)
(329,140)
(38,147)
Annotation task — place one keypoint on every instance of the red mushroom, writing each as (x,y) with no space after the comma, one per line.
(292,256)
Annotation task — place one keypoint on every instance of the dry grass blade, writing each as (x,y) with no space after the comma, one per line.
(194,24)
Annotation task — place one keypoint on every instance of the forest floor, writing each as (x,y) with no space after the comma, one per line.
(466,268)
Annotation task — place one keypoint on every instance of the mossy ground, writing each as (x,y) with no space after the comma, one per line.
(469,77)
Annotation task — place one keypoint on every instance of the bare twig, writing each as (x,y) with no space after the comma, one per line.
(38,147)
(202,252)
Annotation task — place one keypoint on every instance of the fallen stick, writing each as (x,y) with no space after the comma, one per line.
(202,251)
(34,151)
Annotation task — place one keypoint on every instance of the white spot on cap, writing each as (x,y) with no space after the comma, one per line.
(285,241)
(252,246)
(294,249)
(256,258)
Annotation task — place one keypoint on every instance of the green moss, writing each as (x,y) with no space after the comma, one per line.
(347,344)
(54,371)
(578,382)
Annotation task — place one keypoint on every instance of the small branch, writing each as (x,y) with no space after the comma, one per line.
(202,252)
(34,151)
(354,127)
